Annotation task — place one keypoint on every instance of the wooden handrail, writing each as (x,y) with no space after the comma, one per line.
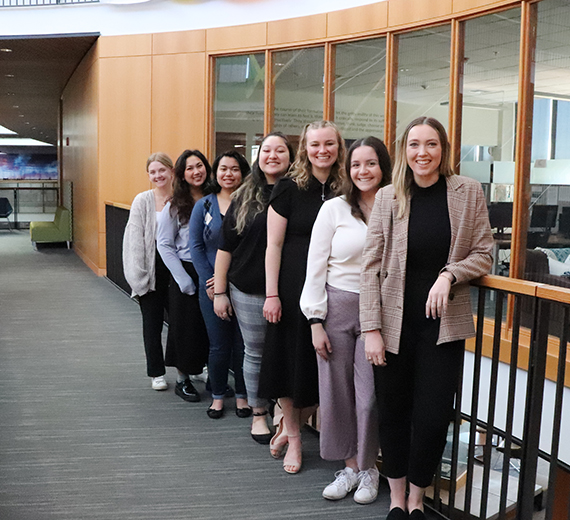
(524,287)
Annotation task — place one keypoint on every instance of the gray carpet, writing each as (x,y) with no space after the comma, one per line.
(83,436)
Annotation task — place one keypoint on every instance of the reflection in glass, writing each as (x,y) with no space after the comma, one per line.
(359,88)
(423,76)
(548,237)
(298,80)
(490,93)
(239,103)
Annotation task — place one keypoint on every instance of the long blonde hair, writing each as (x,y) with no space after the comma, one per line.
(302,169)
(402,174)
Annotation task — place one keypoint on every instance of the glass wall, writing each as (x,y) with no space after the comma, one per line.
(239,103)
(298,80)
(490,93)
(423,76)
(359,88)
(548,237)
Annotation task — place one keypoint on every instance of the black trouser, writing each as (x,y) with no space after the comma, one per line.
(415,393)
(188,344)
(153,306)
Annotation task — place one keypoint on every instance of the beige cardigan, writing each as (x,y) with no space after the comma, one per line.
(139,244)
(383,270)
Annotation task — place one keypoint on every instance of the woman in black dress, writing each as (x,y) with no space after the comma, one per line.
(289,365)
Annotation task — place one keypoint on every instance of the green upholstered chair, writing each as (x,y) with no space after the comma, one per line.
(57,231)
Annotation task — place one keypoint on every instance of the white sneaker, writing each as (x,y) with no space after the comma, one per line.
(367,486)
(159,383)
(346,480)
(201,377)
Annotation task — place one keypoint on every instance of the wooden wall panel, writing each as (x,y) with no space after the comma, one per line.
(297,29)
(402,12)
(132,45)
(357,20)
(178,42)
(124,129)
(178,103)
(460,6)
(236,38)
(79,162)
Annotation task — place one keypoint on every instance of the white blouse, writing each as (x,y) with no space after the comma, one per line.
(335,254)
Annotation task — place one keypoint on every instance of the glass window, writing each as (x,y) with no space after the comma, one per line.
(423,76)
(239,103)
(298,77)
(548,237)
(490,93)
(359,89)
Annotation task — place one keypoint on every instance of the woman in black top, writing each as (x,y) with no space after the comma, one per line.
(240,261)
(289,365)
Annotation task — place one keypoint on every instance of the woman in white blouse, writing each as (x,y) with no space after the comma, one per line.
(187,337)
(330,298)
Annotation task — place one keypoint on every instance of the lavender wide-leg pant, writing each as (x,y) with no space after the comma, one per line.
(349,416)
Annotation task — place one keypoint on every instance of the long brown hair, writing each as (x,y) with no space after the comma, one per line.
(351,192)
(402,174)
(302,168)
(248,198)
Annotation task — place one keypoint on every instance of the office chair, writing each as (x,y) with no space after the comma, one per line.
(6,210)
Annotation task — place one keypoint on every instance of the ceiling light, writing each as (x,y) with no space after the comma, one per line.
(9,75)
(5,50)
(21,115)
(27,122)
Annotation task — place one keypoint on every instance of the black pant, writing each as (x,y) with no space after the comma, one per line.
(188,344)
(153,306)
(415,394)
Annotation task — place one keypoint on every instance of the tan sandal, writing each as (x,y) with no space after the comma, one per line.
(294,467)
(275,449)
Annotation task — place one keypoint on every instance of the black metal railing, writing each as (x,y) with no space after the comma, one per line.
(36,3)
(502,412)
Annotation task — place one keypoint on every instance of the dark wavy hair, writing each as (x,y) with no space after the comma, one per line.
(182,200)
(248,198)
(242,163)
(352,192)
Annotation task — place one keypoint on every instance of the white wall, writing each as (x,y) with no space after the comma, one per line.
(158,15)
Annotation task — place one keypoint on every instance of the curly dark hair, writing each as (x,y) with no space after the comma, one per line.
(182,200)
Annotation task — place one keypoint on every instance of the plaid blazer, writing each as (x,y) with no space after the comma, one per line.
(383,273)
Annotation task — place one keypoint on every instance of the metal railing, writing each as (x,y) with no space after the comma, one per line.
(38,3)
(512,412)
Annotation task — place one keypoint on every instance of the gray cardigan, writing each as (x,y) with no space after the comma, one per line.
(139,244)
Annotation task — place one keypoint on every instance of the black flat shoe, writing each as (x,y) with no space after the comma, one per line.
(244,413)
(186,391)
(262,438)
(398,514)
(417,514)
(215,414)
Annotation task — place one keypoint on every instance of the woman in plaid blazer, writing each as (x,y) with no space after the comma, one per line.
(428,236)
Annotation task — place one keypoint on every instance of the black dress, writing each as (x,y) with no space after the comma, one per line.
(289,363)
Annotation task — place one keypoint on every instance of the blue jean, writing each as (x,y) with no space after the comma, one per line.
(226,350)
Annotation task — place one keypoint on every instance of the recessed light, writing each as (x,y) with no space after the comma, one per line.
(15,106)
(27,122)
(5,50)
(9,75)
(21,115)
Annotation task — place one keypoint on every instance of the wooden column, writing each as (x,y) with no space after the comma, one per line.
(390,107)
(329,81)
(210,137)
(523,138)
(456,91)
(268,114)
